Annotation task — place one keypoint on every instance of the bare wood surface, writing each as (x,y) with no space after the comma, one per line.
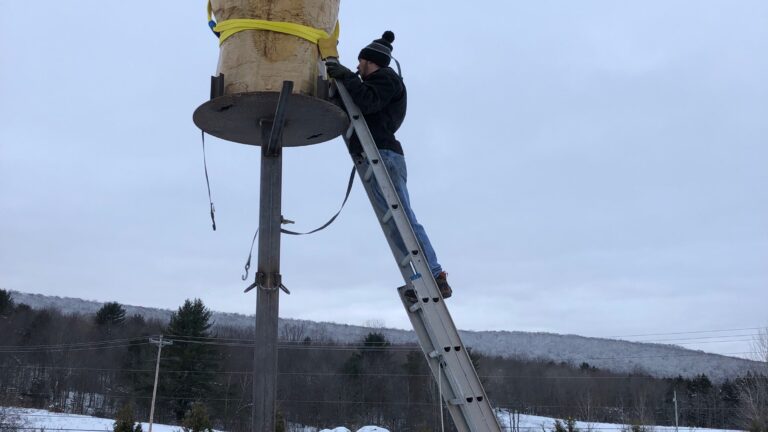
(257,60)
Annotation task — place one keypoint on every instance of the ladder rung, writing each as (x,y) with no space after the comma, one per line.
(456,401)
(387,216)
(350,131)
(368,173)
(405,260)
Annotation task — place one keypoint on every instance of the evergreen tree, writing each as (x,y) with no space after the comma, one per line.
(190,359)
(375,348)
(111,314)
(279,421)
(137,373)
(365,371)
(559,426)
(570,425)
(197,419)
(418,386)
(6,302)
(125,421)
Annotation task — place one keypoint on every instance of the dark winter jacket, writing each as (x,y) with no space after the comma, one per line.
(382,98)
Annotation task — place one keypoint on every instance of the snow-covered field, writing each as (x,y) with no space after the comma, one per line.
(42,420)
(35,419)
(50,421)
(529,423)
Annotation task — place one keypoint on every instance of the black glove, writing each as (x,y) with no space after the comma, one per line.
(338,71)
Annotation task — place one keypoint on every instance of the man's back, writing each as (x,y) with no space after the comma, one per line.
(382,97)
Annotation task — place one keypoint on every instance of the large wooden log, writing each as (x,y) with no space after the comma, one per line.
(254,64)
(262,60)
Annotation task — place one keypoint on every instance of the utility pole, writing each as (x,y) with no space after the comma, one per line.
(674,398)
(160,343)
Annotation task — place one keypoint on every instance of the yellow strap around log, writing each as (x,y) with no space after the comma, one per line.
(325,42)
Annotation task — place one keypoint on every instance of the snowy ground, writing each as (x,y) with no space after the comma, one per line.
(35,419)
(529,423)
(39,420)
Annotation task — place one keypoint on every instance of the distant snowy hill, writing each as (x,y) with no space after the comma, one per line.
(616,355)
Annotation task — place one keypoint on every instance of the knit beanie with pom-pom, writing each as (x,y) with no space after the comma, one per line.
(380,50)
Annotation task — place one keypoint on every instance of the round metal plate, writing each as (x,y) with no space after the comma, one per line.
(236,117)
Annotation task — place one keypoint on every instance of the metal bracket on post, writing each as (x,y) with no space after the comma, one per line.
(271,132)
(273,145)
(217,86)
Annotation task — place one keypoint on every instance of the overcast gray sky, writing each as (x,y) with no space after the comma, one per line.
(585,167)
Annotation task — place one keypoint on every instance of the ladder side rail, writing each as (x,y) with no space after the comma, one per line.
(449,337)
(385,183)
(440,373)
(431,349)
(458,369)
(387,188)
(428,345)
(468,368)
(436,318)
(453,363)
(360,168)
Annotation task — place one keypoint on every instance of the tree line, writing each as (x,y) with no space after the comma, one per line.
(99,364)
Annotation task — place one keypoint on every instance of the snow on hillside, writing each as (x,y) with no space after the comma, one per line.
(50,421)
(620,356)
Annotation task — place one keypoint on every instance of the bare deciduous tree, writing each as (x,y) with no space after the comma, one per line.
(753,390)
(293,332)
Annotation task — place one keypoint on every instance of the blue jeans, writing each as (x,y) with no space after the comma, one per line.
(395,164)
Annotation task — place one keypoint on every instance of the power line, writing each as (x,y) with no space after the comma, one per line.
(710,342)
(332,374)
(751,335)
(237,342)
(680,333)
(391,348)
(72,344)
(68,349)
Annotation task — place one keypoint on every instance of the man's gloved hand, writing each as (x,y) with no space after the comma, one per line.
(338,71)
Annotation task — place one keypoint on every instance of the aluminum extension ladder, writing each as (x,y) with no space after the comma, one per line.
(450,363)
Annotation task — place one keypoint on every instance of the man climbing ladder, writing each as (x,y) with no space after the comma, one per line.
(381,95)
(374,150)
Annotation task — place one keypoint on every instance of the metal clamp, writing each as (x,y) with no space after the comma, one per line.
(267,282)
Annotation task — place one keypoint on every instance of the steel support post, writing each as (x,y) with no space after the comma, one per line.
(268,279)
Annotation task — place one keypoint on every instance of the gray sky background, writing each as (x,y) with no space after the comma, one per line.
(589,167)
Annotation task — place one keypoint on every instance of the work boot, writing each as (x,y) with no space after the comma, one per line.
(442,284)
